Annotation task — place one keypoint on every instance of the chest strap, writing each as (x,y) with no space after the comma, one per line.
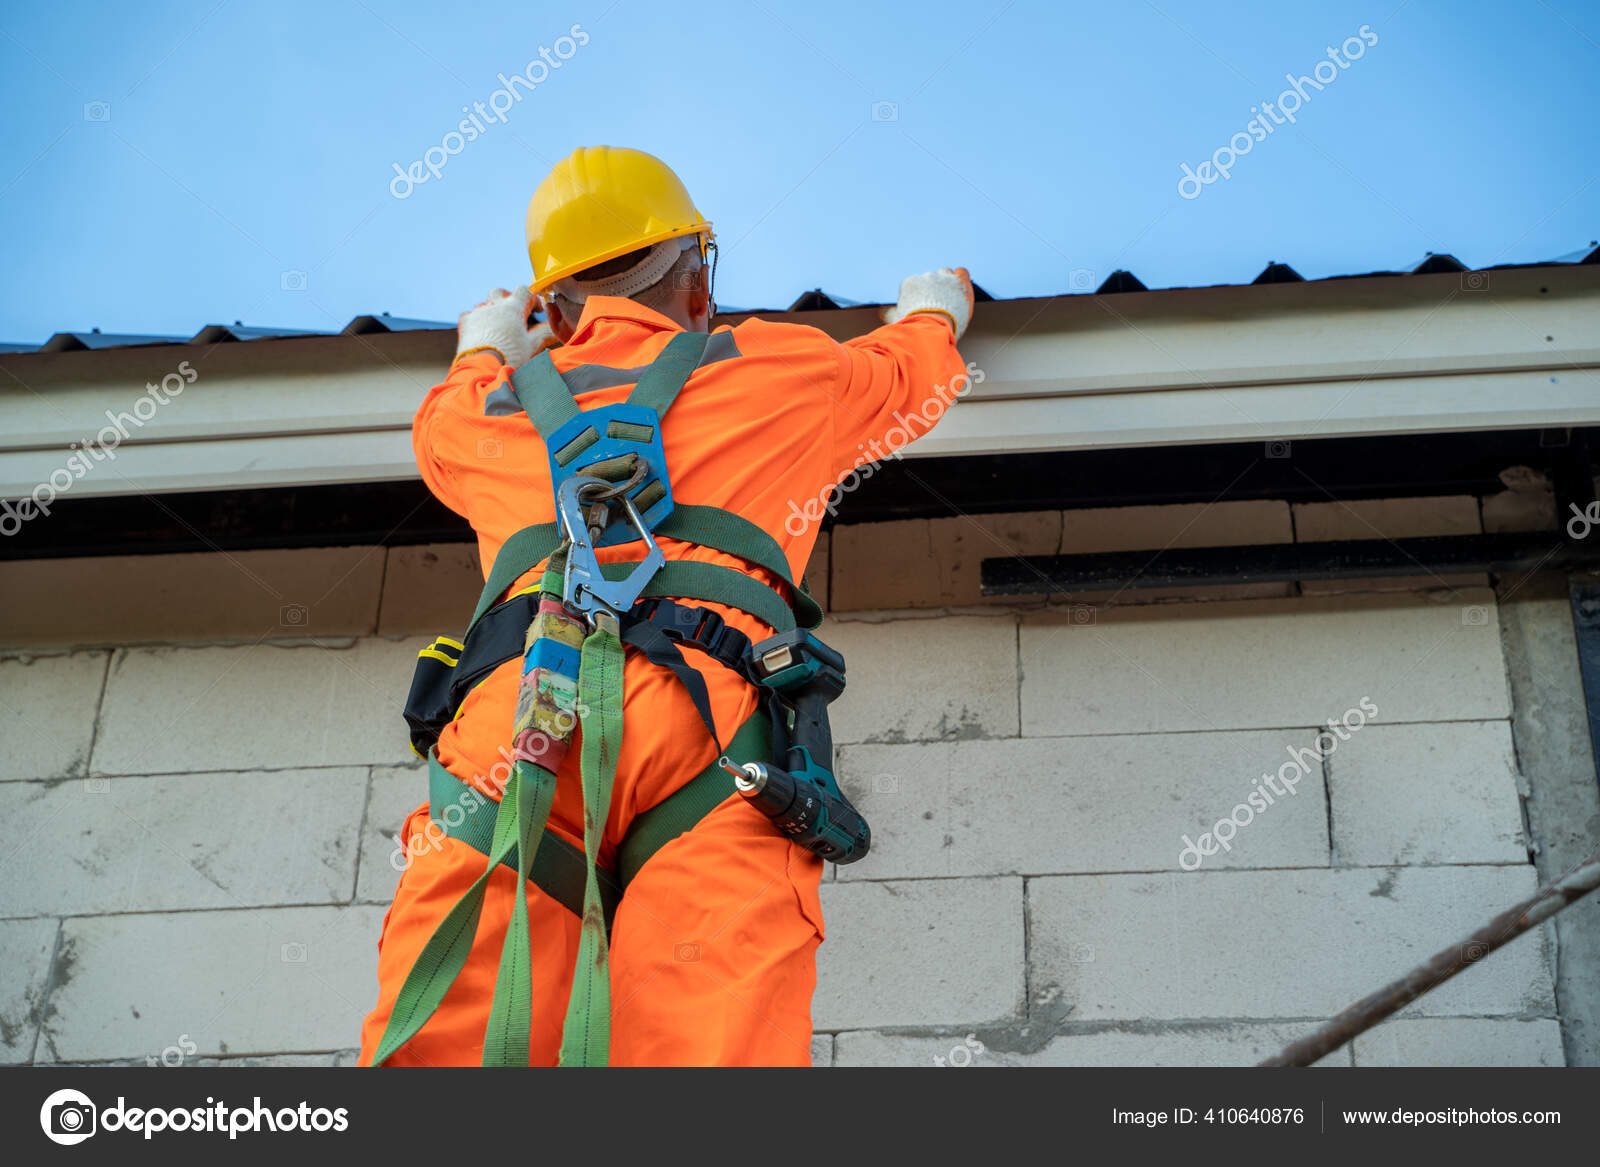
(704,525)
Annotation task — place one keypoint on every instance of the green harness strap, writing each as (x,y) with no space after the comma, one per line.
(659,385)
(519,554)
(736,535)
(586,1033)
(505,1038)
(678,813)
(458,808)
(549,404)
(708,526)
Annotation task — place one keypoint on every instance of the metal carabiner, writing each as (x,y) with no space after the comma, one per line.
(598,600)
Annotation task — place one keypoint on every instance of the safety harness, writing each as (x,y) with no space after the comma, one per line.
(572,630)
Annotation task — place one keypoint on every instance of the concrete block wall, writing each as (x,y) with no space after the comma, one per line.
(204,791)
(1027,884)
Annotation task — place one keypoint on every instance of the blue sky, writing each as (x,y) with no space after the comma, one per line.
(838,145)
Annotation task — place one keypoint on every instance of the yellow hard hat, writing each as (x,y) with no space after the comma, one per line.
(601,202)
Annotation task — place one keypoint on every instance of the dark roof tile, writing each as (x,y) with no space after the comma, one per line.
(815,300)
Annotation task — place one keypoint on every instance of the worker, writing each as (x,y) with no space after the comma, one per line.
(712,948)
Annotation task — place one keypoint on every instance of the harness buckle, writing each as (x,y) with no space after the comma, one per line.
(587,592)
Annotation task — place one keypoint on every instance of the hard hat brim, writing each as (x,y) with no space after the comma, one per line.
(543,283)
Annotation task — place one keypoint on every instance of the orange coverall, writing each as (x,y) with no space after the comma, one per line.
(713,949)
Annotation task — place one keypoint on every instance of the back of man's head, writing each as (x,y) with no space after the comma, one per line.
(668,277)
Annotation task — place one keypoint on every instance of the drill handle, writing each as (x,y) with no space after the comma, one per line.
(810,731)
(848,834)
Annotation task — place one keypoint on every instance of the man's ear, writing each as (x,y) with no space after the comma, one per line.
(700,294)
(557,322)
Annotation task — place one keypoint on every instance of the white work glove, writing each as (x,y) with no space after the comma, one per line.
(947,290)
(500,324)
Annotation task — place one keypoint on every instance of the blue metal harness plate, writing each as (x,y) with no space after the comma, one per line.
(607,432)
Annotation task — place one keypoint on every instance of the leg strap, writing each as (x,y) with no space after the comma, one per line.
(558,866)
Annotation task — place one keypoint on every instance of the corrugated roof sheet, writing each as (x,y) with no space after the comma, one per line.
(816,300)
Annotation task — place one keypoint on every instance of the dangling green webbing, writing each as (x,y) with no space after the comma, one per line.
(505,1038)
(519,828)
(447,950)
(586,1033)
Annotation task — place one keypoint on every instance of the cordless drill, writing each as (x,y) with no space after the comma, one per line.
(803,798)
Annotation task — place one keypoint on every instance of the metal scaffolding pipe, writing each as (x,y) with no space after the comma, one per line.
(1390,999)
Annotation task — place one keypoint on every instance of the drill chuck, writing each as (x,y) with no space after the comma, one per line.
(803,809)
(748,779)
